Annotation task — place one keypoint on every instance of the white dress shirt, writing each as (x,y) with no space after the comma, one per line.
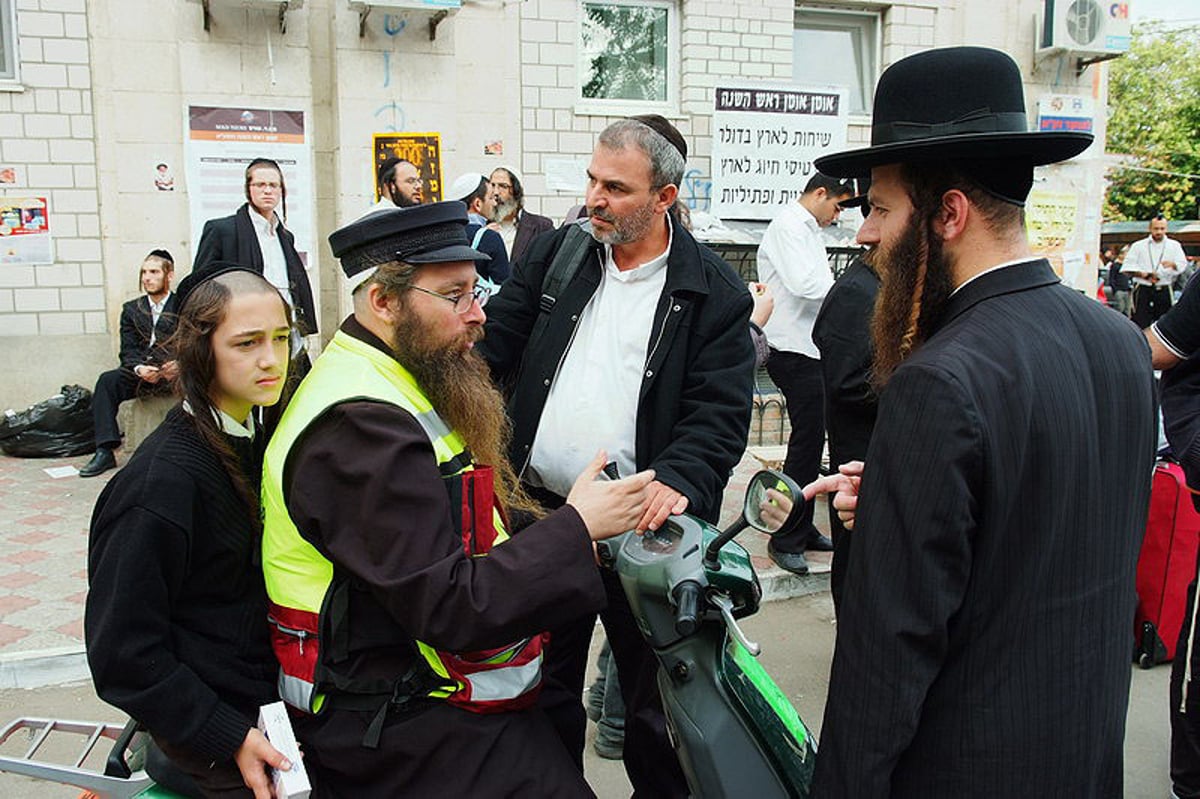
(1147,255)
(156,309)
(593,401)
(274,264)
(793,263)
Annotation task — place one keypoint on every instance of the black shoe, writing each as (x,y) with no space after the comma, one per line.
(793,562)
(819,543)
(100,463)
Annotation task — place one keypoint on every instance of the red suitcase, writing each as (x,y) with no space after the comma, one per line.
(1166,566)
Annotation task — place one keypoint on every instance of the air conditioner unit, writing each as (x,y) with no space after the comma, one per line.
(1086,27)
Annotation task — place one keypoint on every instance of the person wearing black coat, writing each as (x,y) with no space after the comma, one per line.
(842,332)
(666,369)
(146,365)
(176,612)
(235,239)
(984,638)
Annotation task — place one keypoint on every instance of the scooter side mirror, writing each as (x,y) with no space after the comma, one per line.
(773,502)
(773,505)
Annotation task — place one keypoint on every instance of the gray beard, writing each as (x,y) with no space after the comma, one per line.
(504,211)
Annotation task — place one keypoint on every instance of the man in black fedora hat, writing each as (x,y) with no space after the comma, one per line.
(400,608)
(983,641)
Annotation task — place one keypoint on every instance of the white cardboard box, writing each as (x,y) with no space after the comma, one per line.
(274,723)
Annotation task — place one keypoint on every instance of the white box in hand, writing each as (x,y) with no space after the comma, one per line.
(274,723)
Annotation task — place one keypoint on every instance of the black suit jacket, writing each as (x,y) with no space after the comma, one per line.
(137,323)
(529,227)
(232,238)
(842,332)
(984,640)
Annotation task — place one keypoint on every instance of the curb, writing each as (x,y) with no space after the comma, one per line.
(44,667)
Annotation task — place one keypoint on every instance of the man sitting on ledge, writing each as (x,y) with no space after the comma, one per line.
(145,369)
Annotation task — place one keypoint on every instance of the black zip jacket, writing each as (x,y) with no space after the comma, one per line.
(697,385)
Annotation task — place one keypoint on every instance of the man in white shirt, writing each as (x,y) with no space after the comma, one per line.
(1154,262)
(641,348)
(793,264)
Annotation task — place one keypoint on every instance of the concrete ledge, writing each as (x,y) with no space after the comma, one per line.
(41,668)
(137,418)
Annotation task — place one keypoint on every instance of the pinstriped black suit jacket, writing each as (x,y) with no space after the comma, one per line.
(985,635)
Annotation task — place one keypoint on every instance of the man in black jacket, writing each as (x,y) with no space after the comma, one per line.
(254,236)
(146,367)
(1004,493)
(641,351)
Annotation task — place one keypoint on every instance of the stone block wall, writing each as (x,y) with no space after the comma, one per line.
(46,133)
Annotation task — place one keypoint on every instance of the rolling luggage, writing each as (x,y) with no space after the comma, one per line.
(1166,566)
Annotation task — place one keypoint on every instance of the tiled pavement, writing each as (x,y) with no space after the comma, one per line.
(43,565)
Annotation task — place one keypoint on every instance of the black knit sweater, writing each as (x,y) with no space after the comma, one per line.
(176,612)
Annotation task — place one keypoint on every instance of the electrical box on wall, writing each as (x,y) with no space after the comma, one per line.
(1086,28)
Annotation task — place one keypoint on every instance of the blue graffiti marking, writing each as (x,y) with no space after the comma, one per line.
(393,24)
(699,190)
(398,120)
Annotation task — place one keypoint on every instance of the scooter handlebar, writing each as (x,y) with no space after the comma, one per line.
(687,596)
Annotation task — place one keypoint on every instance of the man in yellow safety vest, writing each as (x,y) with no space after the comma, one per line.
(408,625)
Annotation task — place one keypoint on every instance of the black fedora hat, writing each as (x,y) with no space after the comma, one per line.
(953,103)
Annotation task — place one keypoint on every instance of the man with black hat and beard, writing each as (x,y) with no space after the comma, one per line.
(407,624)
(983,643)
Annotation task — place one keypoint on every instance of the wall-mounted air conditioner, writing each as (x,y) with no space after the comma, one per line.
(1086,28)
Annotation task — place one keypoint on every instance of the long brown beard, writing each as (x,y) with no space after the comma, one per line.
(459,385)
(915,283)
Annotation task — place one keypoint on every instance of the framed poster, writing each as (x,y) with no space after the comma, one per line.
(424,150)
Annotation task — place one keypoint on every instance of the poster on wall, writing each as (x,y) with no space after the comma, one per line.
(765,140)
(222,141)
(423,150)
(1063,224)
(25,231)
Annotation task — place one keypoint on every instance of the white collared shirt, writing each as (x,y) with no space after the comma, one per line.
(508,232)
(593,401)
(792,261)
(274,264)
(227,424)
(1147,255)
(156,309)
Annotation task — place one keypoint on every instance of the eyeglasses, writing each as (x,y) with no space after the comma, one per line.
(462,302)
(412,181)
(260,185)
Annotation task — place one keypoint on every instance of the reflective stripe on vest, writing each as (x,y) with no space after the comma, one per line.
(298,577)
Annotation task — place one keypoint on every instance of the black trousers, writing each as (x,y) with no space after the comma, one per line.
(112,388)
(799,379)
(650,760)
(1149,303)
(1185,716)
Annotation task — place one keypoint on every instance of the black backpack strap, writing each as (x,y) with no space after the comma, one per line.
(575,249)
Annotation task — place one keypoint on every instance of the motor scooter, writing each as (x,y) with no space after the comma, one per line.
(733,729)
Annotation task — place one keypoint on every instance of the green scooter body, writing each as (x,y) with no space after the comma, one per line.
(733,729)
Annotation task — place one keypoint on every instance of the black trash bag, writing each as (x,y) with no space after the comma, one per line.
(55,428)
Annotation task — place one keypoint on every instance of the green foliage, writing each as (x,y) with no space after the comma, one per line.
(1154,105)
(624,52)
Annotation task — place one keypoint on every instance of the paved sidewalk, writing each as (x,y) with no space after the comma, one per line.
(43,565)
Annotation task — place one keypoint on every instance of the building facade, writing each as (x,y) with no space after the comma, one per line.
(94,96)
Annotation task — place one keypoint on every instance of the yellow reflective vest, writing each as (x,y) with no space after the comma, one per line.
(303,586)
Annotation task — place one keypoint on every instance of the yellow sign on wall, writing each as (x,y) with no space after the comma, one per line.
(423,150)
